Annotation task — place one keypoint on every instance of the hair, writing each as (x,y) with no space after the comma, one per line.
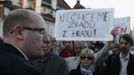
(87,51)
(128,38)
(17,17)
(99,45)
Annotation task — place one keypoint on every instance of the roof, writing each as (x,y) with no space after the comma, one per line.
(63,4)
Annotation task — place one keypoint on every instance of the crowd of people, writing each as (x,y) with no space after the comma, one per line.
(27,49)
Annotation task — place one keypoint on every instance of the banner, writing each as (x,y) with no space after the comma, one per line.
(122,25)
(84,24)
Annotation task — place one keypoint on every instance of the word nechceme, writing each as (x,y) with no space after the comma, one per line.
(83,20)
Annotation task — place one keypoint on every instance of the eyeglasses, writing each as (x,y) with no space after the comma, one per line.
(40,30)
(84,57)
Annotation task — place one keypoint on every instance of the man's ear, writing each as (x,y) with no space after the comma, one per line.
(18,32)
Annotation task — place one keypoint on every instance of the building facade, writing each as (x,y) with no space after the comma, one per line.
(47,8)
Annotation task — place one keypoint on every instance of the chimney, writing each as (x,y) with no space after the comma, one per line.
(54,4)
(78,1)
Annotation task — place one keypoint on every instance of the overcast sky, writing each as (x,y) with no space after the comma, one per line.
(122,8)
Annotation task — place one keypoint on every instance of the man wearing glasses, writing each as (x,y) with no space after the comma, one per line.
(23,33)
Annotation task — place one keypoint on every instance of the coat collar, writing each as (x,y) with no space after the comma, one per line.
(5,47)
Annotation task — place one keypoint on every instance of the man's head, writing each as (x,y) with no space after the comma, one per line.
(125,43)
(114,47)
(78,46)
(24,29)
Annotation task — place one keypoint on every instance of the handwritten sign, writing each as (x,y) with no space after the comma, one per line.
(84,24)
(122,25)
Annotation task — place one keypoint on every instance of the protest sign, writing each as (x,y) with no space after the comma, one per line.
(84,24)
(122,25)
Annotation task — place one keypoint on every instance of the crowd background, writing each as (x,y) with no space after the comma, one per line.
(71,52)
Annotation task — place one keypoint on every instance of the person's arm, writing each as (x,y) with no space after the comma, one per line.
(114,34)
(100,53)
(105,49)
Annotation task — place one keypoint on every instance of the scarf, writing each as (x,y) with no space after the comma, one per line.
(88,71)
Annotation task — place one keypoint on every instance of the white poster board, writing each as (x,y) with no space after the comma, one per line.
(122,25)
(84,24)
